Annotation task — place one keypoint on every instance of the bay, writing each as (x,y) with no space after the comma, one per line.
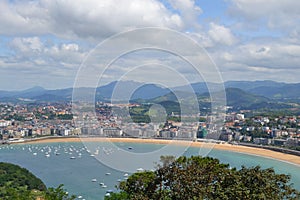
(71,164)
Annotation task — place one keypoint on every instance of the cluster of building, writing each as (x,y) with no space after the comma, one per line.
(37,120)
(262,130)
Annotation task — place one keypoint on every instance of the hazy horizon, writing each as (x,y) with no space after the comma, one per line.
(40,87)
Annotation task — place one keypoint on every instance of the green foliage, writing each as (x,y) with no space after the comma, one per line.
(65,117)
(202,119)
(17,183)
(57,194)
(205,178)
(140,185)
(115,196)
(139,114)
(17,193)
(264,184)
(15,176)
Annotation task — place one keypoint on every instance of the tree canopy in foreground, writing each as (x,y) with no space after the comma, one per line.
(205,178)
(18,183)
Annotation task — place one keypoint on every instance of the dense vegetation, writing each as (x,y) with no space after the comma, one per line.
(17,183)
(205,178)
(16,176)
(141,114)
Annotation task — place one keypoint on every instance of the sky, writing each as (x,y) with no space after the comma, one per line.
(46,42)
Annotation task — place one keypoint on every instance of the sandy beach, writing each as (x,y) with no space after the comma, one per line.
(228,147)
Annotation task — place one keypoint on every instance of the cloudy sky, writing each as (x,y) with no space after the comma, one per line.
(44,42)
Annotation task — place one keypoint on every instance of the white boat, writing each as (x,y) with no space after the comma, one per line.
(108,173)
(94,180)
(34,154)
(125,175)
(140,169)
(47,155)
(72,157)
(101,184)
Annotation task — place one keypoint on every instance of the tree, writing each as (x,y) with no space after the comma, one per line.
(57,194)
(14,176)
(19,184)
(205,178)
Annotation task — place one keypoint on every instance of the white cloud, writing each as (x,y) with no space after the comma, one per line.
(202,38)
(221,34)
(25,45)
(70,47)
(38,56)
(273,13)
(189,12)
(257,40)
(20,17)
(75,19)
(273,59)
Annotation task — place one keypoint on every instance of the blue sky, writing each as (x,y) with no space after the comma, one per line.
(44,42)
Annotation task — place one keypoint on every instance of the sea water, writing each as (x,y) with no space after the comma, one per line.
(76,166)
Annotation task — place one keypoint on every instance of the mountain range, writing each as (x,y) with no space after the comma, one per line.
(239,93)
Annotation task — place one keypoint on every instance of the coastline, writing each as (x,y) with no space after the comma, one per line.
(293,159)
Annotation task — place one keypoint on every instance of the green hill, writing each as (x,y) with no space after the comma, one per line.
(17,183)
(16,176)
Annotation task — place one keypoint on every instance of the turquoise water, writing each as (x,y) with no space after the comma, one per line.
(77,174)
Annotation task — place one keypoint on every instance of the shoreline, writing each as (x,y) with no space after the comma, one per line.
(289,158)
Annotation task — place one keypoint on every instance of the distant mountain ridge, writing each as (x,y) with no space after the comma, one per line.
(252,91)
(235,97)
(105,93)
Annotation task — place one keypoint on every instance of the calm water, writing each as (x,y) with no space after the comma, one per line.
(76,174)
